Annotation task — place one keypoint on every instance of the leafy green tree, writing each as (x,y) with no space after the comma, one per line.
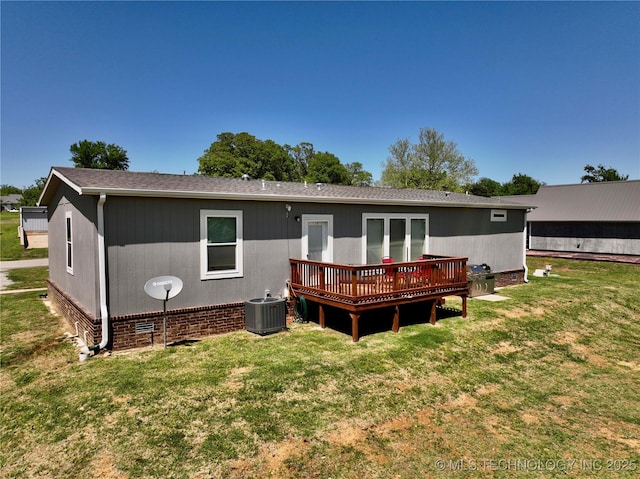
(233,155)
(600,174)
(97,154)
(9,190)
(31,195)
(302,153)
(325,167)
(521,184)
(485,187)
(432,163)
(358,176)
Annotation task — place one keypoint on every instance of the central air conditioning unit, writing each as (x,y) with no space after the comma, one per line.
(266,315)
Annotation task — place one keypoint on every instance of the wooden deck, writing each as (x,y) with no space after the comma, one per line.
(357,288)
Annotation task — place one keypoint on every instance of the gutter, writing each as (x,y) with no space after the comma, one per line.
(102,277)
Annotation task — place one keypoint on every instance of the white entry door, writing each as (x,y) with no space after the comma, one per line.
(317,237)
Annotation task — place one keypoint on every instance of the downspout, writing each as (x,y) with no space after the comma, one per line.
(102,277)
(524,248)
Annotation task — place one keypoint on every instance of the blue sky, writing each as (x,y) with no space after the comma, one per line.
(536,88)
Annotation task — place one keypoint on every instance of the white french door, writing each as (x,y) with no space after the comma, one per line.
(399,236)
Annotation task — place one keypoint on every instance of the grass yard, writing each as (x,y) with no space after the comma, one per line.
(544,384)
(10,248)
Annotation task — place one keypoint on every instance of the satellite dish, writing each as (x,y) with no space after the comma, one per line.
(163,287)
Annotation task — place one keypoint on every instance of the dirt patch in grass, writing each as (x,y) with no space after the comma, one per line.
(345,433)
(103,466)
(505,347)
(235,380)
(613,433)
(630,364)
(487,390)
(519,312)
(464,401)
(571,339)
(275,455)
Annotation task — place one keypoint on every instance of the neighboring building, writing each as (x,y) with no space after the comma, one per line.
(33,227)
(601,217)
(230,240)
(10,202)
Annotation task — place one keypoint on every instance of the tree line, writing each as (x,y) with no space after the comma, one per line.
(431,163)
(233,155)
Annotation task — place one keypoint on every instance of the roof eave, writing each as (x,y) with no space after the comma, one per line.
(292,198)
(44,196)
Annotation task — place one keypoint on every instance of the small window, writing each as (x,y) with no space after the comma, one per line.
(220,244)
(499,215)
(69,242)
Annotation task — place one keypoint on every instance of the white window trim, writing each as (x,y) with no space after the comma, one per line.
(385,241)
(499,215)
(230,273)
(68,242)
(306,219)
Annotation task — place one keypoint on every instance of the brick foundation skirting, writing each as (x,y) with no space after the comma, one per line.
(72,313)
(139,330)
(144,329)
(509,278)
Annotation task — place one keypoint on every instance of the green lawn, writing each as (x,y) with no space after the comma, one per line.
(10,248)
(525,386)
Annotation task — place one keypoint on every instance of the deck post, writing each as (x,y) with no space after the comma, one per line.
(432,318)
(464,306)
(396,319)
(354,326)
(321,315)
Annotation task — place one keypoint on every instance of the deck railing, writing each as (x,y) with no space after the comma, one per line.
(360,284)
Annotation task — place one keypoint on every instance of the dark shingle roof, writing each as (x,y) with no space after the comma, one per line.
(604,201)
(128,183)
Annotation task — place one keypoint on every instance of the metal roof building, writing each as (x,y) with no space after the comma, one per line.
(599,217)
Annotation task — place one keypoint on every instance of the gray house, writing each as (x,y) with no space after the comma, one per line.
(230,240)
(599,217)
(10,202)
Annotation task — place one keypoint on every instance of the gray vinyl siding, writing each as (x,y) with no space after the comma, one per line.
(148,237)
(591,237)
(154,237)
(82,285)
(471,233)
(34,221)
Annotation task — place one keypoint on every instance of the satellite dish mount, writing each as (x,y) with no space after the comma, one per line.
(163,288)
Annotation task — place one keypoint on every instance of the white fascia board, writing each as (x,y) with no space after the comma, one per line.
(63,178)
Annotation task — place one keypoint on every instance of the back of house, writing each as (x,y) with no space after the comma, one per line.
(230,240)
